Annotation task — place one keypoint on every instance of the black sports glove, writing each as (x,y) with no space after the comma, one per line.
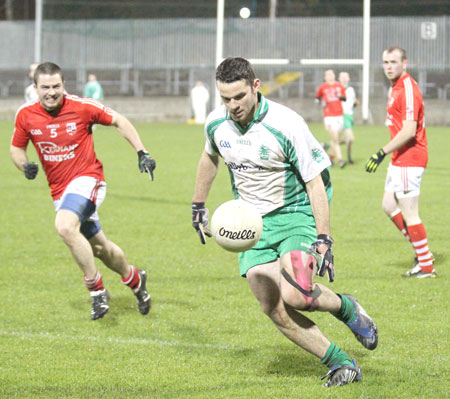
(30,169)
(146,163)
(374,161)
(200,220)
(327,258)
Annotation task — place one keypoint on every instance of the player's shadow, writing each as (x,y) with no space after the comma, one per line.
(195,278)
(404,263)
(303,364)
(439,258)
(147,198)
(407,263)
(287,364)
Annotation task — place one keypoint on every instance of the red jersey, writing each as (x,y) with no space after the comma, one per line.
(63,141)
(330,94)
(406,104)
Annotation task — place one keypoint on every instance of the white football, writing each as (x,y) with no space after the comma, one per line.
(236,225)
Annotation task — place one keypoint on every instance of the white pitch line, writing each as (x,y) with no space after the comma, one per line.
(30,335)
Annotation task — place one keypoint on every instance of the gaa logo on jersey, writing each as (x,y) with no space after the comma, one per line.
(71,128)
(36,132)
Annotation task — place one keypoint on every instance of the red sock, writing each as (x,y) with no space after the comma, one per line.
(94,284)
(133,280)
(397,219)
(418,237)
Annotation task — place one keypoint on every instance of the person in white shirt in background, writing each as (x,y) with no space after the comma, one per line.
(30,90)
(199,99)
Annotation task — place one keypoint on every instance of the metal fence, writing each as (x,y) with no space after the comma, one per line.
(165,56)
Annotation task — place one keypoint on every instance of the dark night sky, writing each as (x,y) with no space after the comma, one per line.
(81,9)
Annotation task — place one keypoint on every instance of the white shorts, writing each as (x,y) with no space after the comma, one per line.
(335,123)
(88,187)
(404,181)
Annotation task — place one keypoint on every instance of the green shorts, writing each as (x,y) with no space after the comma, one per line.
(282,233)
(348,121)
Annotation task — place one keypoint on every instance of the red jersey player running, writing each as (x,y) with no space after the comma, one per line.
(330,94)
(408,145)
(59,125)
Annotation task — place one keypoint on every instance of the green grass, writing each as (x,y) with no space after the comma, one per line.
(206,336)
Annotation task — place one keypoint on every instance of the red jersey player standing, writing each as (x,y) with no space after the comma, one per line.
(59,125)
(330,94)
(408,145)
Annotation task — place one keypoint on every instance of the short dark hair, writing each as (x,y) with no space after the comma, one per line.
(47,68)
(233,69)
(402,52)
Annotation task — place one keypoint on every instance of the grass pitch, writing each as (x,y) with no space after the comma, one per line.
(206,336)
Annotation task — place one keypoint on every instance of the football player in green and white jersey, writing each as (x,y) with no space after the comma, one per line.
(277,165)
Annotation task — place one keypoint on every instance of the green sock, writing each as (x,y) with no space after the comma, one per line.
(336,356)
(346,312)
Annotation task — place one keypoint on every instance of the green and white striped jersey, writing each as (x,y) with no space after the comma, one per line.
(271,159)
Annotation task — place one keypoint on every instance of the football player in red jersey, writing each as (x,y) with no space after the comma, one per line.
(60,127)
(408,145)
(330,94)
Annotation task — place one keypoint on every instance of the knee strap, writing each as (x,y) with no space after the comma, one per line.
(303,265)
(89,228)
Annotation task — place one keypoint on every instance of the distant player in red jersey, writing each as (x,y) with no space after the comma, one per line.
(59,126)
(330,94)
(408,145)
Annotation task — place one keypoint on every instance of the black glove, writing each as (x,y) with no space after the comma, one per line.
(200,220)
(374,161)
(327,264)
(146,163)
(30,169)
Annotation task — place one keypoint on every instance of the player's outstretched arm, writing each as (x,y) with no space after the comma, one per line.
(127,130)
(145,162)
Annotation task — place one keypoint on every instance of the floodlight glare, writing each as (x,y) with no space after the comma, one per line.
(244,12)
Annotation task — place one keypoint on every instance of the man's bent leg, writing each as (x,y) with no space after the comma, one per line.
(264,281)
(110,254)
(297,287)
(67,225)
(114,258)
(299,291)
